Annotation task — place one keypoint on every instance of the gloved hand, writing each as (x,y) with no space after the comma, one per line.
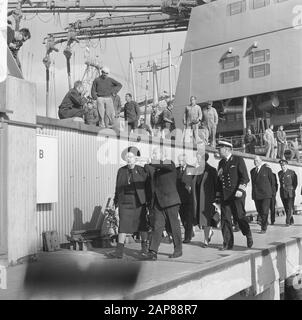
(238,194)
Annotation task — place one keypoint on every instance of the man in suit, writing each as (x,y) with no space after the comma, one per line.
(273,201)
(163,202)
(184,181)
(288,184)
(233,178)
(262,190)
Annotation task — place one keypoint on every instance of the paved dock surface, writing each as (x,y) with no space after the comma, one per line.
(93,274)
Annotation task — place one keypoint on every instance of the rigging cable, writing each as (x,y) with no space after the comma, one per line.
(161,63)
(118,53)
(25,17)
(54,83)
(45,21)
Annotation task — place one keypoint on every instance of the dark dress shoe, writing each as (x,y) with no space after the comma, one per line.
(249,241)
(263,231)
(223,248)
(175,255)
(236,229)
(187,241)
(151,255)
(119,251)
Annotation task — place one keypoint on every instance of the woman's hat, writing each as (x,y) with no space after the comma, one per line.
(131,149)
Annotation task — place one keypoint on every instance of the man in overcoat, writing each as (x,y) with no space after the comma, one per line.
(262,190)
(184,181)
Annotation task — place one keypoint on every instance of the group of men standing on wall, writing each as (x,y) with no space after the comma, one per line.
(194,193)
(201,122)
(103,95)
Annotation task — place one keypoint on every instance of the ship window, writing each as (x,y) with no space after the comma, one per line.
(261,70)
(229,76)
(236,7)
(230,62)
(256,4)
(260,56)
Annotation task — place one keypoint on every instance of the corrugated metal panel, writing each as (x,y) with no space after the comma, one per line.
(84,182)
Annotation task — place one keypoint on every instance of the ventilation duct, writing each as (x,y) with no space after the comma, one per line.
(229,109)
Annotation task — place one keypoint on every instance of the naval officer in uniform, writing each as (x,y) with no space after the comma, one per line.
(232,181)
(288,184)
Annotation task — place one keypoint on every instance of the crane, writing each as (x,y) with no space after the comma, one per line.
(156,16)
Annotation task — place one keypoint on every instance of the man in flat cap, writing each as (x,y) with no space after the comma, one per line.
(232,181)
(210,121)
(288,184)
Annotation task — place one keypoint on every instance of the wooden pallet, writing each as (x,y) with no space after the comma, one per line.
(50,241)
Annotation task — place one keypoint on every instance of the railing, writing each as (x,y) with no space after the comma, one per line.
(238,141)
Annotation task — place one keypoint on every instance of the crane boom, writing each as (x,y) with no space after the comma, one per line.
(76,6)
(123,26)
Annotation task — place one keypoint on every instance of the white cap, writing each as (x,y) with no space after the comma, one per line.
(223,143)
(106,70)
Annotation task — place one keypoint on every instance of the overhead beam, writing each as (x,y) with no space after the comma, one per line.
(76,6)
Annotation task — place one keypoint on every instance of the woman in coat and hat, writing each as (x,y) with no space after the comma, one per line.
(204,186)
(130,198)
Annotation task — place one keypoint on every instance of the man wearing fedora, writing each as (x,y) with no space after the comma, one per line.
(288,184)
(232,181)
(102,90)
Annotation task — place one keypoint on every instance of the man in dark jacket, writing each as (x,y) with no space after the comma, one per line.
(262,190)
(73,102)
(232,181)
(102,90)
(163,202)
(15,40)
(168,124)
(288,184)
(184,181)
(273,202)
(131,113)
(250,142)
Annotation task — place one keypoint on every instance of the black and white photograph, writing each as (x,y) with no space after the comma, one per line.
(151,150)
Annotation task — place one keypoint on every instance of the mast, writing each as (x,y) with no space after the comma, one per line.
(170,70)
(147,93)
(133,76)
